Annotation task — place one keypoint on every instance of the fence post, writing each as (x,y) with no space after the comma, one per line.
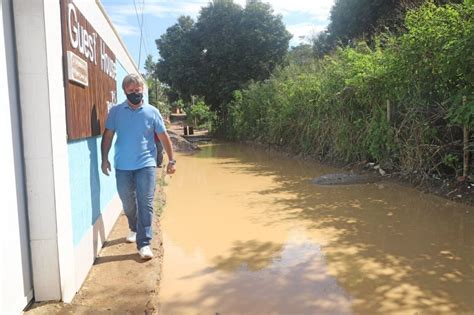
(389,112)
(465,172)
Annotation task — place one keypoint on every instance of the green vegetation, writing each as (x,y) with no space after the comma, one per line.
(389,81)
(200,116)
(226,47)
(157,94)
(160,196)
(364,19)
(336,107)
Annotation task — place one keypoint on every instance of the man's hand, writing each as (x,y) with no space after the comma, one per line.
(171,168)
(168,146)
(106,167)
(107,138)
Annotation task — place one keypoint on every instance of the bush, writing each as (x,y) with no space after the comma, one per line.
(200,116)
(337,107)
(164,109)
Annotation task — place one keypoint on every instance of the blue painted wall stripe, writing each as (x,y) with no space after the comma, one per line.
(91,191)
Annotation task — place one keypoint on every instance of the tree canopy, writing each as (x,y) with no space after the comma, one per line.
(225,48)
(178,56)
(362,19)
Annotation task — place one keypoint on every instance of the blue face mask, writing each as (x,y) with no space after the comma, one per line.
(135,98)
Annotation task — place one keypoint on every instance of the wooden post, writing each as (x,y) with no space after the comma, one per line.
(466,157)
(156,90)
(389,112)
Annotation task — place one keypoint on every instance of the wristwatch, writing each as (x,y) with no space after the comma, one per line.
(172,162)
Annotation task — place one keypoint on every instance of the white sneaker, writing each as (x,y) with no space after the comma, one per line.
(132,237)
(145,252)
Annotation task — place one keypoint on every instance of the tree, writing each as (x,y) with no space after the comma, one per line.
(227,47)
(323,43)
(178,54)
(150,67)
(362,19)
(301,54)
(352,19)
(265,40)
(218,35)
(152,79)
(157,94)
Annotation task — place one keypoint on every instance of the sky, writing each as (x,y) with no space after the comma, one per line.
(302,19)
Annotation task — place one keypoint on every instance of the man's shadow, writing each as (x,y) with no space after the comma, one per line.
(94,176)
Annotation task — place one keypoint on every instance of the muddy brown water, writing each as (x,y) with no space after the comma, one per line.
(246,232)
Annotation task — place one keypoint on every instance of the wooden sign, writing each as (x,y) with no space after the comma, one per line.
(89,74)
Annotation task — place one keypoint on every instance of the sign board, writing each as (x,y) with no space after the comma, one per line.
(89,74)
(77,69)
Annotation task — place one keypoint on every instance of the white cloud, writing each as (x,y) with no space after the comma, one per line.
(127,29)
(317,10)
(123,26)
(157,8)
(302,32)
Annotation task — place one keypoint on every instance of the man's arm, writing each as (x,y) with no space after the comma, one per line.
(107,138)
(168,146)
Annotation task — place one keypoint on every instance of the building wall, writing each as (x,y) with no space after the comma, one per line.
(41,90)
(91,191)
(72,206)
(16,287)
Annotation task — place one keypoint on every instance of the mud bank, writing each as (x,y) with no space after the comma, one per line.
(449,188)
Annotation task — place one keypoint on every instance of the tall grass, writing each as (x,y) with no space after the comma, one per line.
(336,108)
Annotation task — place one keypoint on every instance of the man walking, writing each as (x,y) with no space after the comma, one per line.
(135,123)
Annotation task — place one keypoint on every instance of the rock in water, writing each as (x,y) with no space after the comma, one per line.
(180,144)
(344,179)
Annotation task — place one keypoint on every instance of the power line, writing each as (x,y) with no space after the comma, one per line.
(145,45)
(140,24)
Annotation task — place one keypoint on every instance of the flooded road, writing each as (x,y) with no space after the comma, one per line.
(246,232)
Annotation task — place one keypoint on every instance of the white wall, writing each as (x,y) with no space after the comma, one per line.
(15,277)
(39,56)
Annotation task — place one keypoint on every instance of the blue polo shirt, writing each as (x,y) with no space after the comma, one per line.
(135,145)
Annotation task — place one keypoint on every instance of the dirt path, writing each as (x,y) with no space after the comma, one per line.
(119,281)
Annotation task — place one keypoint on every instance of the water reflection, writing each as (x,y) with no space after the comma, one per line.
(250,255)
(245,232)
